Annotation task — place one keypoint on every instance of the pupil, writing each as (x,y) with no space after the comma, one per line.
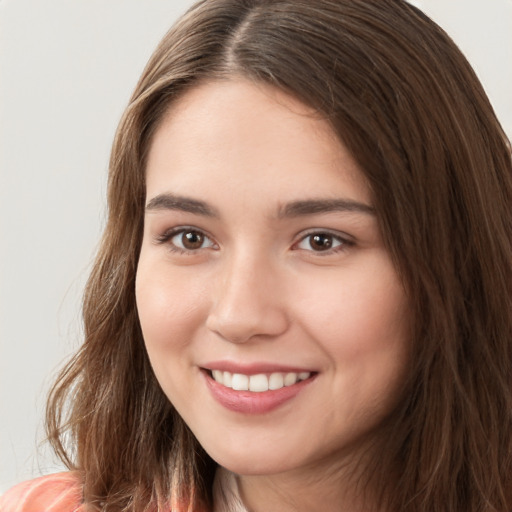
(321,242)
(192,240)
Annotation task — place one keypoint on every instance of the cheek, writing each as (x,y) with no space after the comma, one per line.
(365,337)
(360,319)
(168,308)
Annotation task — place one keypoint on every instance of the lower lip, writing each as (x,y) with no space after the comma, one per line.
(249,402)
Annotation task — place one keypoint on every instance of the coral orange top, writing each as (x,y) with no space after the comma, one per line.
(61,492)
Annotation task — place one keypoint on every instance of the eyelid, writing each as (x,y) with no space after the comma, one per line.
(345,240)
(169,234)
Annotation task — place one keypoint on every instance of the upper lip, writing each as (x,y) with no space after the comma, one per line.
(253,368)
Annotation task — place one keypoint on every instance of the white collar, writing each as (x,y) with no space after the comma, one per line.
(226,496)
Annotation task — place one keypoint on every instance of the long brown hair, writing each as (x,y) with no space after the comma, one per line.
(403,99)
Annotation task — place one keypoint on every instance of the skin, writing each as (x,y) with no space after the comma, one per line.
(255,288)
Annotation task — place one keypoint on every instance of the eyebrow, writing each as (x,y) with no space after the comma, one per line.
(315,206)
(185,204)
(300,208)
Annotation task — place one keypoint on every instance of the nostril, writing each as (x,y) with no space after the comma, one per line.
(242,326)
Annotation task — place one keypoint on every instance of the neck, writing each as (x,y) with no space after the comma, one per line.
(339,491)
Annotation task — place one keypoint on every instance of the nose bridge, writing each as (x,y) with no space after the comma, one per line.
(247,300)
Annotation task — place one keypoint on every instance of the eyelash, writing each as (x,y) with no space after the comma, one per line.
(166,238)
(343,242)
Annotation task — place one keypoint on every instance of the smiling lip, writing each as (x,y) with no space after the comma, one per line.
(250,402)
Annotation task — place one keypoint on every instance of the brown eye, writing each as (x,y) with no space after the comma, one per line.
(321,242)
(190,240)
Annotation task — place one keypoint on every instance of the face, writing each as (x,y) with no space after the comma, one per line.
(273,317)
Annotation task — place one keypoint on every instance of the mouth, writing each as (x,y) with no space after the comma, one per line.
(256,392)
(260,382)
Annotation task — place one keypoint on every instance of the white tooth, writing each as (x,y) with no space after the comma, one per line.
(240,382)
(227,379)
(258,383)
(276,381)
(217,375)
(304,375)
(290,379)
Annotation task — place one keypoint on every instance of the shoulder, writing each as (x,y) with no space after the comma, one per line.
(60,492)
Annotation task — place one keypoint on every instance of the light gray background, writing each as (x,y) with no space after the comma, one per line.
(66,72)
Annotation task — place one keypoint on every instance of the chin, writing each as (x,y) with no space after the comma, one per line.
(258,460)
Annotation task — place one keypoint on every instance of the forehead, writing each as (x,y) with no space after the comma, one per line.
(241,134)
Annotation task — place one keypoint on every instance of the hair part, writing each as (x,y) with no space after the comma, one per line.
(408,106)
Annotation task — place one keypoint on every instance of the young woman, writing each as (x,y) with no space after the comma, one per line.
(302,298)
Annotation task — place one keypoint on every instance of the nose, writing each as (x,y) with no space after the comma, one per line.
(248,302)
